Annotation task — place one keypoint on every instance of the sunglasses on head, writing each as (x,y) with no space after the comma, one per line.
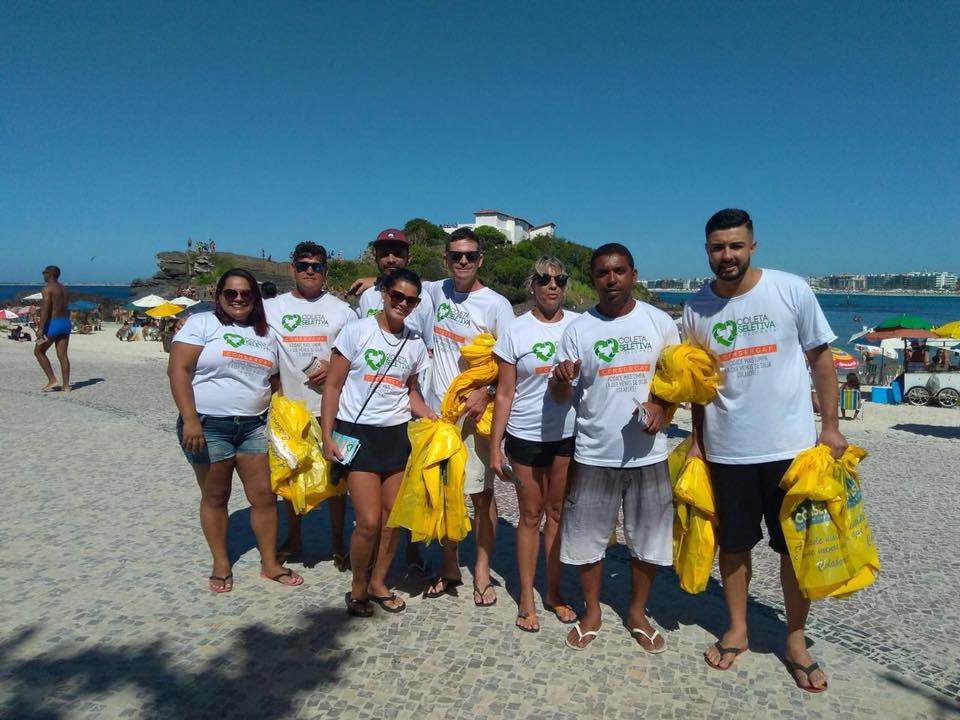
(543,279)
(303,266)
(398,298)
(230,294)
(454,256)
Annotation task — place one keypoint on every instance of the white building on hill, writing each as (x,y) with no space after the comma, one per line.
(515,228)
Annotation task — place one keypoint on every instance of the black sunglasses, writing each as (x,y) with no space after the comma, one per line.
(544,279)
(303,266)
(397,298)
(454,256)
(230,294)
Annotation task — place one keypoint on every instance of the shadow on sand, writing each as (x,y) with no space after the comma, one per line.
(938,431)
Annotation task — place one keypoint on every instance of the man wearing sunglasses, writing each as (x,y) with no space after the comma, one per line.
(306,321)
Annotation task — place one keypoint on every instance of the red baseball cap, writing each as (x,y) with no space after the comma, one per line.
(392,235)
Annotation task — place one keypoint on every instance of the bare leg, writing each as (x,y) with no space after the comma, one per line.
(40,353)
(389,538)
(254,472)
(449,567)
(337,507)
(530,500)
(365,491)
(485,516)
(590,576)
(797,608)
(291,545)
(641,579)
(215,481)
(555,483)
(736,570)
(62,342)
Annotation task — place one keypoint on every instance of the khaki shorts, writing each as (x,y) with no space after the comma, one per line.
(477,475)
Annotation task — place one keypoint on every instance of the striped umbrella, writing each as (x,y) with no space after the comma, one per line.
(842,360)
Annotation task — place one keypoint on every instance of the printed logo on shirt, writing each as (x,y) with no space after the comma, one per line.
(544,350)
(446,310)
(606,350)
(290,322)
(233,340)
(725,332)
(443,311)
(374,358)
(373,311)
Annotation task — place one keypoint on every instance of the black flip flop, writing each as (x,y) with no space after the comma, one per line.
(225,579)
(358,607)
(481,593)
(382,602)
(806,670)
(448,585)
(725,651)
(523,615)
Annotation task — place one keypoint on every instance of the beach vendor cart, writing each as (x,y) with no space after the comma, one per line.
(935,381)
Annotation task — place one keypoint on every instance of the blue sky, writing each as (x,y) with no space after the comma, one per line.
(127,127)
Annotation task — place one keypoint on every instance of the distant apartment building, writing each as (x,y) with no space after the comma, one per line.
(844,281)
(850,282)
(515,228)
(676,283)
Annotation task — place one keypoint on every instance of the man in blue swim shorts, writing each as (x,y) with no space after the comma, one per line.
(54,329)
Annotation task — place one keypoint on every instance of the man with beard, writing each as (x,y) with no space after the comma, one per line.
(761,323)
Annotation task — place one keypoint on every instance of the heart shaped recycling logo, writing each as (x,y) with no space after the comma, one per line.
(544,350)
(606,349)
(374,358)
(290,322)
(443,311)
(233,340)
(725,332)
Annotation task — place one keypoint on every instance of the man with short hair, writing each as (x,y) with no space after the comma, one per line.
(761,323)
(306,322)
(620,459)
(54,329)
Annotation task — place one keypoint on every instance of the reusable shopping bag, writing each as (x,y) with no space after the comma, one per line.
(298,471)
(694,519)
(824,523)
(482,370)
(685,373)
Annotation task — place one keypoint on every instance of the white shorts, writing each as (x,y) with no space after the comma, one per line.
(593,504)
(477,475)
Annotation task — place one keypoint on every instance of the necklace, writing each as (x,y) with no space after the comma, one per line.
(384,335)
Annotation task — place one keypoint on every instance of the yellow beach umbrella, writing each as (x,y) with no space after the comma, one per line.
(165,310)
(948,330)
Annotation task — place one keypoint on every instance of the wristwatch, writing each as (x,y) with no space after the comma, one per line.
(491,390)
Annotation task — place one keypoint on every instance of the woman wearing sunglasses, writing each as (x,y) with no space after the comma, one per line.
(370,391)
(222,370)
(539,435)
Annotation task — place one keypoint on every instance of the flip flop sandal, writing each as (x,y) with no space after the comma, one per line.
(554,608)
(481,593)
(224,588)
(382,602)
(806,670)
(298,580)
(358,607)
(653,649)
(448,585)
(580,636)
(523,615)
(725,651)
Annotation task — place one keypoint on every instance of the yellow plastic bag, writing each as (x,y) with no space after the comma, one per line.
(823,521)
(482,370)
(298,471)
(686,373)
(430,501)
(694,518)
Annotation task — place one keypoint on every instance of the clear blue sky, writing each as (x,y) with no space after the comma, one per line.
(127,127)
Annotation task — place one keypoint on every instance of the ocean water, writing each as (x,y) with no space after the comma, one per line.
(120,292)
(847,314)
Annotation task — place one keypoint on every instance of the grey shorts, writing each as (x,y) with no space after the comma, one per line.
(593,504)
(477,475)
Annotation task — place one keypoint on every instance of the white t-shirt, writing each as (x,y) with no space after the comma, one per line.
(531,345)
(234,368)
(458,319)
(304,329)
(370,351)
(762,411)
(420,320)
(618,358)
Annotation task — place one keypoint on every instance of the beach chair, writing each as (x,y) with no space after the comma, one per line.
(851,401)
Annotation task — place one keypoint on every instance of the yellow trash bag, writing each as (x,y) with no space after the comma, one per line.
(694,518)
(823,521)
(430,500)
(685,373)
(482,370)
(298,471)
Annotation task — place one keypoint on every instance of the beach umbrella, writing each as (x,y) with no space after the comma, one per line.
(948,330)
(81,305)
(8,314)
(184,301)
(904,321)
(149,301)
(874,351)
(164,310)
(899,332)
(34,297)
(842,360)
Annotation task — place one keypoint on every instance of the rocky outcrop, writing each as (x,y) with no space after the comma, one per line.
(177,269)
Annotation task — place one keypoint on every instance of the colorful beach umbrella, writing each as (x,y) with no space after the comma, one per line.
(842,360)
(948,330)
(164,310)
(905,321)
(8,314)
(899,332)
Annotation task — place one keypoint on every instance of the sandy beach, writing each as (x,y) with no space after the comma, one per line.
(106,613)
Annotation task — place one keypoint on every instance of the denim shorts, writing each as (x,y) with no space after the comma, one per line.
(224,437)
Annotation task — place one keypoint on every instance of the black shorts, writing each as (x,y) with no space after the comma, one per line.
(382,449)
(537,454)
(743,495)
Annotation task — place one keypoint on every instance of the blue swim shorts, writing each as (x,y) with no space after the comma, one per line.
(224,437)
(55,327)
